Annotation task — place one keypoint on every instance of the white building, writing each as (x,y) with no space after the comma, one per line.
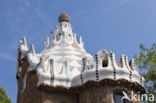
(65,65)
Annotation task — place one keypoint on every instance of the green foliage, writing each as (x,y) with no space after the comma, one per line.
(147,66)
(3,96)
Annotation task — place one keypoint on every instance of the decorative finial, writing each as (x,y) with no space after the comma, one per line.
(47,42)
(63,17)
(80,40)
(24,41)
(32,48)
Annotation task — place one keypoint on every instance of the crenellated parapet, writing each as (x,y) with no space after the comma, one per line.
(104,66)
(64,61)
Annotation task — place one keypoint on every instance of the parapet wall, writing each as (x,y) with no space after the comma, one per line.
(106,67)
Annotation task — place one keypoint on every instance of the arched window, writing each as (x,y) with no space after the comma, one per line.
(105,61)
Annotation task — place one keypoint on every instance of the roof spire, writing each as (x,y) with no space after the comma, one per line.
(63,17)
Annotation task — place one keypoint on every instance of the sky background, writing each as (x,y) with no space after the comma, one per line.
(117,25)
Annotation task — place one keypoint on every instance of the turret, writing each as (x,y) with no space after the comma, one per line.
(65,73)
(63,32)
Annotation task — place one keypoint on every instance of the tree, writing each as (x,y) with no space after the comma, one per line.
(147,65)
(3,96)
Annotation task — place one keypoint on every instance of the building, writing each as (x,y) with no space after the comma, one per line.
(65,73)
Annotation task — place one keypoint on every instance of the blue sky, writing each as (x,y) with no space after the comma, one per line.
(117,25)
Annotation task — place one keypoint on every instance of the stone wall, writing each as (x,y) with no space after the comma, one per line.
(58,97)
(102,94)
(30,94)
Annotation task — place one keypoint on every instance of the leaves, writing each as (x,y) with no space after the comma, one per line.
(3,96)
(147,64)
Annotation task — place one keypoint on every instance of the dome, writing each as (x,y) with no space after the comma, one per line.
(63,17)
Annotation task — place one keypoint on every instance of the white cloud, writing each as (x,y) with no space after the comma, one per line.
(6,56)
(99,9)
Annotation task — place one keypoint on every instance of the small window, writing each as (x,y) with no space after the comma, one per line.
(105,61)
(58,37)
(118,96)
